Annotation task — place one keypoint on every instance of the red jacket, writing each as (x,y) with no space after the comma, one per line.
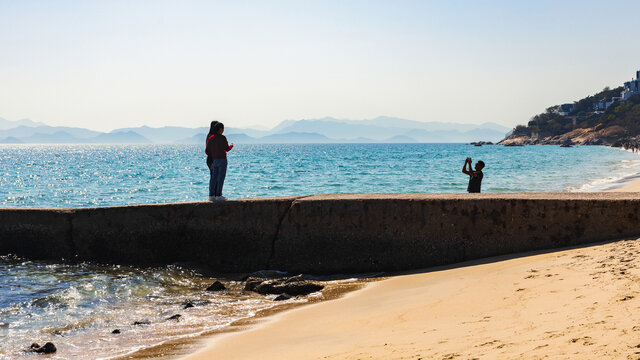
(217,147)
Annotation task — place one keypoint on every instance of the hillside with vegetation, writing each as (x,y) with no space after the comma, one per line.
(618,125)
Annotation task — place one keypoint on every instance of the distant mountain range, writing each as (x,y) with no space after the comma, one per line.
(324,130)
(6,124)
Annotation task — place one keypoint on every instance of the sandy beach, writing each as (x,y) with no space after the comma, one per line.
(633,186)
(570,303)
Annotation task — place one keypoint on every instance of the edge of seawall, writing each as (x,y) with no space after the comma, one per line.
(322,234)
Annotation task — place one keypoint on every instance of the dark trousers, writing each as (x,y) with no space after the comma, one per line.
(218,173)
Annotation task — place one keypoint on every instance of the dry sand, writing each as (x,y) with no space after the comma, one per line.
(577,303)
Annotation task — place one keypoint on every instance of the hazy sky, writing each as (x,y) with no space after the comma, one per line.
(108,64)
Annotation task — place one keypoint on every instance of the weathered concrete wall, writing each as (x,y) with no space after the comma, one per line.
(323,233)
(355,233)
(36,233)
(230,236)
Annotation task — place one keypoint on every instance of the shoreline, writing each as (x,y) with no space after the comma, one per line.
(576,301)
(631,186)
(184,346)
(619,183)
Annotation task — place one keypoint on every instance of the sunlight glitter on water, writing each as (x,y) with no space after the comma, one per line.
(78,306)
(107,175)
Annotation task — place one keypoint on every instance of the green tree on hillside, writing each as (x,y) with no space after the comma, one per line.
(550,123)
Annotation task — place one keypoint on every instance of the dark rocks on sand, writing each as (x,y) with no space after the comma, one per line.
(142,322)
(216,286)
(47,348)
(295,285)
(116,331)
(292,288)
(192,303)
(294,279)
(282,297)
(175,317)
(252,282)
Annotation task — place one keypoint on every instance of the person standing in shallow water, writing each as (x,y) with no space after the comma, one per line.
(475,177)
(217,148)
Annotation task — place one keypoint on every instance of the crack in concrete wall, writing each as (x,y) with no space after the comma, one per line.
(277,233)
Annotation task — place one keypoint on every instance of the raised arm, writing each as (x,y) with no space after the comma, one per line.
(464,167)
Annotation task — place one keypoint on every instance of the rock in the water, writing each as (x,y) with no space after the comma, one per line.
(293,288)
(252,282)
(282,297)
(142,322)
(47,348)
(216,286)
(301,288)
(267,287)
(175,317)
(192,303)
(295,285)
(294,279)
(116,331)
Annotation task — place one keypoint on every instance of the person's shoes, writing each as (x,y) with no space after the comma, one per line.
(213,198)
(221,198)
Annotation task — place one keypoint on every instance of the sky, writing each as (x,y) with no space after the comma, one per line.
(112,64)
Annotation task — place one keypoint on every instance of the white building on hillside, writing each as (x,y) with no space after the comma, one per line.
(631,87)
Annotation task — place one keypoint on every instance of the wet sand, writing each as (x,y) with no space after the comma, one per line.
(633,186)
(573,303)
(178,348)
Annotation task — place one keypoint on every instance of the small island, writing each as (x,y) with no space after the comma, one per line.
(610,117)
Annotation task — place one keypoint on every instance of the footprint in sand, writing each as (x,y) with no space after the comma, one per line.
(554,334)
(450,356)
(586,340)
(488,343)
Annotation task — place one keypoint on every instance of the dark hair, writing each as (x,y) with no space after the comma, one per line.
(481,163)
(212,128)
(217,127)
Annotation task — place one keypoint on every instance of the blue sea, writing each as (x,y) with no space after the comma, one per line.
(77,306)
(106,175)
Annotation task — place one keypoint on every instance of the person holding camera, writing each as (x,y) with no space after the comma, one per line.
(475,177)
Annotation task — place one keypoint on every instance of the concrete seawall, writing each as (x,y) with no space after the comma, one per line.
(323,233)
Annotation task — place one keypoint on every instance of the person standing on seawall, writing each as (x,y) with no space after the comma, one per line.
(475,177)
(210,136)
(217,148)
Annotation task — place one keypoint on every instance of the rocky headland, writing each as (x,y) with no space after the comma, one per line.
(610,117)
(599,135)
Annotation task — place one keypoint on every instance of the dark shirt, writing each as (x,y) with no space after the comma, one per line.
(475,182)
(218,147)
